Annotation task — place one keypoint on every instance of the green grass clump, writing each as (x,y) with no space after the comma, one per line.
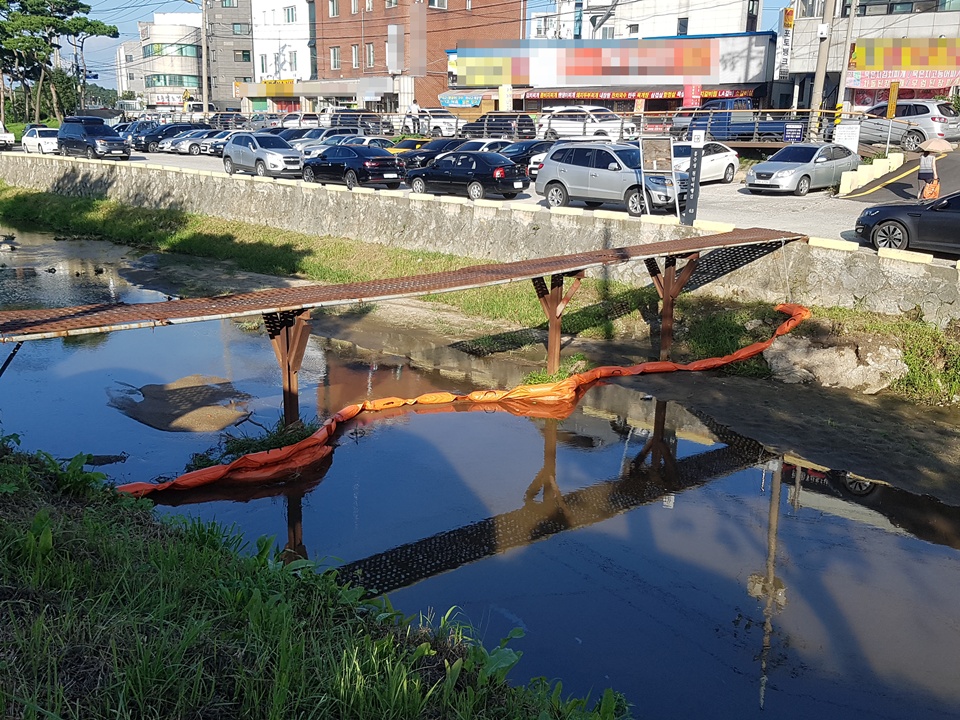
(232,447)
(568,366)
(108,613)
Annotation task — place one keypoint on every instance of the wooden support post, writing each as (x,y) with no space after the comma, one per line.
(289,334)
(669,285)
(554,302)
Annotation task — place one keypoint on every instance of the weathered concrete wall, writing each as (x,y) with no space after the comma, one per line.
(823,272)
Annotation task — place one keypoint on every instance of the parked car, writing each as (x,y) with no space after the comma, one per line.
(570,120)
(227,120)
(471,173)
(291,134)
(536,160)
(365,122)
(429,151)
(213,145)
(802,167)
(523,150)
(355,165)
(916,121)
(313,148)
(409,144)
(272,130)
(928,225)
(261,154)
(39,140)
(438,122)
(150,139)
(372,141)
(316,134)
(119,128)
(300,120)
(7,139)
(501,124)
(737,119)
(719,162)
(598,173)
(489,145)
(261,121)
(137,127)
(90,136)
(166,145)
(193,142)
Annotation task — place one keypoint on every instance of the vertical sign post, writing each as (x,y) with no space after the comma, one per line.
(693,182)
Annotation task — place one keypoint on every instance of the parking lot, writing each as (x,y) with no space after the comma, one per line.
(818,214)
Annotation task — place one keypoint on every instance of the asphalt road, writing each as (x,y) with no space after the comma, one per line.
(817,214)
(902,184)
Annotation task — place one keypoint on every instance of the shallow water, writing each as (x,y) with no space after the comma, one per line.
(677,582)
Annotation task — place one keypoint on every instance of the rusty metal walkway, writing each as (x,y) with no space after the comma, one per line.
(284,309)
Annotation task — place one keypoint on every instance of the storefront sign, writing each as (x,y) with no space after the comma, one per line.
(781,69)
(848,135)
(278,88)
(461,100)
(692,95)
(892,101)
(670,94)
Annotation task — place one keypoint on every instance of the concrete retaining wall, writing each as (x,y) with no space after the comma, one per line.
(825,272)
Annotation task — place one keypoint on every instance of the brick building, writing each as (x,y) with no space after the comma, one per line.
(380,54)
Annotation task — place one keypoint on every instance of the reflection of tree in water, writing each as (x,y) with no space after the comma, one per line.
(90,340)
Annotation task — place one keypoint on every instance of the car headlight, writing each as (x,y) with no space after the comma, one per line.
(659,180)
(783,173)
(869,213)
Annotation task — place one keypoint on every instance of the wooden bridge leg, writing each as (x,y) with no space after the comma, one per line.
(669,285)
(554,302)
(289,334)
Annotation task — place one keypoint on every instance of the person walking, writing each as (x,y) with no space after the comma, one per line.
(928,171)
(415,116)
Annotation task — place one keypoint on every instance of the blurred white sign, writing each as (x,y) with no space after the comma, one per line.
(698,137)
(848,135)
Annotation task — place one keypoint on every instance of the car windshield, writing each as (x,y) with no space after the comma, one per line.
(682,151)
(409,144)
(789,154)
(222,134)
(101,131)
(46,132)
(630,157)
(272,142)
(514,148)
(606,115)
(435,145)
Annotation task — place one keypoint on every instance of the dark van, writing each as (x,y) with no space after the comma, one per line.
(90,136)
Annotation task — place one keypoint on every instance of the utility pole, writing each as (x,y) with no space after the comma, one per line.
(841,91)
(823,54)
(204,89)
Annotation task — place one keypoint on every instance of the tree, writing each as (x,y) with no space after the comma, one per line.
(99,96)
(78,30)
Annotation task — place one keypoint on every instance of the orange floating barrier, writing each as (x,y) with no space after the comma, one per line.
(548,400)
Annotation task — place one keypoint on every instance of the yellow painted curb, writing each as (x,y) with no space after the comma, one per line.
(286,181)
(363,191)
(713,226)
(660,219)
(420,196)
(488,203)
(391,193)
(449,199)
(905,255)
(831,244)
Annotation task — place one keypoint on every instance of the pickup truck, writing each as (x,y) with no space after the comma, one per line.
(737,119)
(7,139)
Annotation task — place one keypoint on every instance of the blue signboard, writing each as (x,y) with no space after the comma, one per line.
(793,132)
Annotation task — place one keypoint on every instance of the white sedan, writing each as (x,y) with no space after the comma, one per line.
(719,161)
(40,140)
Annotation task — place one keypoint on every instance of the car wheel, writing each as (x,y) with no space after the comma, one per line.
(228,166)
(393,186)
(308,175)
(636,203)
(194,149)
(729,174)
(152,147)
(261,168)
(41,150)
(911,141)
(91,154)
(803,186)
(593,203)
(890,234)
(25,149)
(436,132)
(418,186)
(350,178)
(475,191)
(510,196)
(557,195)
(552,135)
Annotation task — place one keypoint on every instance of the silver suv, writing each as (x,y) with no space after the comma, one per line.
(916,121)
(598,173)
(577,120)
(265,155)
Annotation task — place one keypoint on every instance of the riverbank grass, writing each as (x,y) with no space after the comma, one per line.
(108,613)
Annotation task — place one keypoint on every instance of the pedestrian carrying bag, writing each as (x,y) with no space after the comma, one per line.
(931,191)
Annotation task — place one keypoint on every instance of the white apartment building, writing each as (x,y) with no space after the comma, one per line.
(169,59)
(603,19)
(281,37)
(915,43)
(130,69)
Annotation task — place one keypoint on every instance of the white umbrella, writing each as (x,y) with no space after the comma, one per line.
(936,145)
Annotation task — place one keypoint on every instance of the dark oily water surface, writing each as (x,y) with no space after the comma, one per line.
(638,545)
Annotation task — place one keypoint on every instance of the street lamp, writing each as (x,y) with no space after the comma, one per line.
(204,91)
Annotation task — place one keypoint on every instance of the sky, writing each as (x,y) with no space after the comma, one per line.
(101,52)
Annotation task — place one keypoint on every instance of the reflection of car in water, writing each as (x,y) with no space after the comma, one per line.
(922,516)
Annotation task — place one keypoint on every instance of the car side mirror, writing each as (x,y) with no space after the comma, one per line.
(613,166)
(942,205)
(821,159)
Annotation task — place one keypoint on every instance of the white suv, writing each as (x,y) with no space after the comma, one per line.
(577,120)
(438,122)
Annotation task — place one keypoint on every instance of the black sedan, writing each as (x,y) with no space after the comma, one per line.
(472,173)
(355,165)
(928,225)
(422,156)
(521,152)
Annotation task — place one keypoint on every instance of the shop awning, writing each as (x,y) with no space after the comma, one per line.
(641,93)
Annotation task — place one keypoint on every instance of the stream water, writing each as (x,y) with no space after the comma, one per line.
(636,544)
